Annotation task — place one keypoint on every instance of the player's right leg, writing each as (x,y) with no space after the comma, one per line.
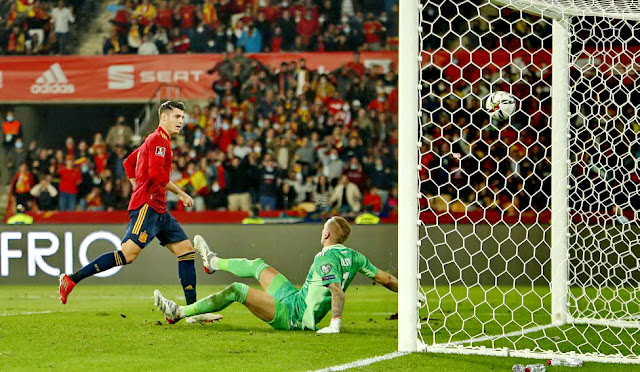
(128,253)
(240,267)
(259,303)
(140,231)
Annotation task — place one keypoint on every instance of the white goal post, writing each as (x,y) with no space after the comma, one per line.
(520,238)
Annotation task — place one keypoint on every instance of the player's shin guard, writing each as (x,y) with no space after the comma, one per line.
(242,268)
(236,292)
(102,263)
(187,273)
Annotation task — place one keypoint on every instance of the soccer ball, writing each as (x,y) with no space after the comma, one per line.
(500,105)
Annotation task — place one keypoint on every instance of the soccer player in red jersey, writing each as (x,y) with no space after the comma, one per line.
(148,169)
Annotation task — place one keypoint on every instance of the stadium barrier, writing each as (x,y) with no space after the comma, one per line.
(134,78)
(36,254)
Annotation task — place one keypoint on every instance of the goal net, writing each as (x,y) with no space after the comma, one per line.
(528,236)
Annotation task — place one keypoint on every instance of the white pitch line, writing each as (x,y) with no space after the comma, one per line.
(363,362)
(30,313)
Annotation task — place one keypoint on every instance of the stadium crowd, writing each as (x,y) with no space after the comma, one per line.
(293,139)
(36,27)
(182,26)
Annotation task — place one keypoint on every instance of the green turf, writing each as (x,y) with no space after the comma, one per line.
(117,328)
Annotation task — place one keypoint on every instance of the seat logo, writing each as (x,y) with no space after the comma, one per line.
(120,77)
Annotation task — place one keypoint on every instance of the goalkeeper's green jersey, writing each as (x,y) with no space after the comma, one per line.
(334,264)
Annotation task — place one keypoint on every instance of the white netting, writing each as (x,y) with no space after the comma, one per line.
(486,186)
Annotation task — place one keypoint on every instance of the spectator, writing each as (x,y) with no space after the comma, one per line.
(70,147)
(164,15)
(186,15)
(307,28)
(354,172)
(21,185)
(45,194)
(93,200)
(353,150)
(109,197)
(161,39)
(221,40)
(198,181)
(288,197)
(16,156)
(392,202)
(241,150)
(113,44)
(100,160)
(332,166)
(251,41)
(380,178)
(238,186)
(306,152)
(134,36)
(120,134)
(145,13)
(209,14)
(179,42)
(200,38)
(61,17)
(11,130)
(346,197)
(287,28)
(70,178)
(276,40)
(263,27)
(322,193)
(372,32)
(148,47)
(217,199)
(372,201)
(269,184)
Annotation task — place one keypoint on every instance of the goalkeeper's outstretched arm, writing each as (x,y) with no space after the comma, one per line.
(337,305)
(387,280)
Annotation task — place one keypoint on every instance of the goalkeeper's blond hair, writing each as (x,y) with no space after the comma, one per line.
(340,227)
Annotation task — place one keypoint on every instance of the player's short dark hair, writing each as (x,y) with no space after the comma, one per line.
(341,228)
(169,106)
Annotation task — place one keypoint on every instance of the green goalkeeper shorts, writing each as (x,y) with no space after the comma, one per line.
(284,294)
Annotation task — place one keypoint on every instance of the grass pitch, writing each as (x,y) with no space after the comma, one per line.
(118,328)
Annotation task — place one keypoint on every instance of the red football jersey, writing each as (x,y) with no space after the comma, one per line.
(150,165)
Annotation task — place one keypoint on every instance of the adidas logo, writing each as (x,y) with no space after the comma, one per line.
(53,81)
(189,288)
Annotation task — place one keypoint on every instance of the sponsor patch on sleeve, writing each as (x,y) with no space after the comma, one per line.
(328,277)
(160,151)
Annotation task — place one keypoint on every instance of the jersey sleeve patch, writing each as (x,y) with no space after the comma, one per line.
(327,269)
(160,151)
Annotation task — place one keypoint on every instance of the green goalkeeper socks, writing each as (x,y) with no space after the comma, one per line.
(241,267)
(236,292)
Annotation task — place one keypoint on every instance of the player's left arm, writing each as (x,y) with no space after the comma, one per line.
(337,305)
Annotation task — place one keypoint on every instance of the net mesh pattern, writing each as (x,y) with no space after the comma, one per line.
(485,186)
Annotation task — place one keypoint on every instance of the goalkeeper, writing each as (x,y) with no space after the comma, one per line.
(281,304)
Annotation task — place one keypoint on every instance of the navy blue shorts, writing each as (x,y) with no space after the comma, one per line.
(146,224)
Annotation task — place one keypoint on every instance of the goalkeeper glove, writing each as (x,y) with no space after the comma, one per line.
(334,327)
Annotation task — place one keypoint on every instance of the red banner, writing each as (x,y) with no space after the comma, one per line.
(128,78)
